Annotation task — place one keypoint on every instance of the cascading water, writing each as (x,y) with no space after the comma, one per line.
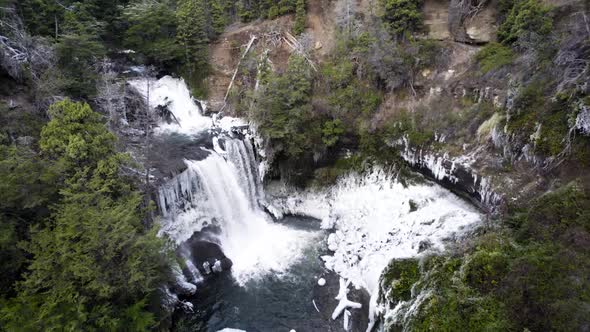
(224,192)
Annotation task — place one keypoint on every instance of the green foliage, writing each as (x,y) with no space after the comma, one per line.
(448,305)
(284,112)
(349,97)
(530,99)
(151,32)
(331,132)
(399,277)
(542,119)
(219,15)
(93,264)
(12,258)
(191,18)
(249,10)
(273,12)
(43,17)
(89,264)
(78,49)
(27,185)
(484,270)
(525,16)
(299,25)
(494,56)
(532,279)
(556,212)
(397,64)
(404,125)
(76,135)
(402,16)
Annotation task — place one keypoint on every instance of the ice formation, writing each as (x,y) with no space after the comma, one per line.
(375,219)
(444,167)
(344,302)
(583,120)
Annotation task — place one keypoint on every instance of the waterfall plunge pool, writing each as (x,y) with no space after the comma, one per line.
(275,302)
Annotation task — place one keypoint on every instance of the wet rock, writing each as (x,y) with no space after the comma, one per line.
(206,255)
(424,245)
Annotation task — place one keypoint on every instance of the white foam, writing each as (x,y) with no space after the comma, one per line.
(174,93)
(216,191)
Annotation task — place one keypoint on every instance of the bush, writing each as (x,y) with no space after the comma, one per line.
(400,276)
(525,16)
(284,113)
(484,270)
(331,132)
(494,56)
(402,16)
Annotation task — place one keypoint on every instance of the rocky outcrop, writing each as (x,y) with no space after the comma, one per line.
(436,19)
(472,22)
(455,174)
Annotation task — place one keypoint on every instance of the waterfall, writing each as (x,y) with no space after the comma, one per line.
(241,154)
(175,95)
(224,190)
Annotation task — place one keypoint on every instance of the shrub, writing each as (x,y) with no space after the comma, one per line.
(494,56)
(525,16)
(299,25)
(484,270)
(402,16)
(331,132)
(400,276)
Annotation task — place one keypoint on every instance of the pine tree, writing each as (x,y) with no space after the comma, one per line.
(219,16)
(93,264)
(192,36)
(299,25)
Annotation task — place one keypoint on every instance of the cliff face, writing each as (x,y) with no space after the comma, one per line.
(472,143)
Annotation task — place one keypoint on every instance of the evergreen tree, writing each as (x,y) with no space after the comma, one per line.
(192,36)
(402,16)
(76,137)
(94,266)
(284,112)
(219,16)
(78,49)
(287,6)
(299,25)
(151,32)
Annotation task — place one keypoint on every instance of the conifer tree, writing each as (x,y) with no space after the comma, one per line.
(299,25)
(93,264)
(192,36)
(219,16)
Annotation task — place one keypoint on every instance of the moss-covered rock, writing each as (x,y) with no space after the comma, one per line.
(398,278)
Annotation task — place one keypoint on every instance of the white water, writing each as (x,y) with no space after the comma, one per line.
(226,193)
(174,93)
